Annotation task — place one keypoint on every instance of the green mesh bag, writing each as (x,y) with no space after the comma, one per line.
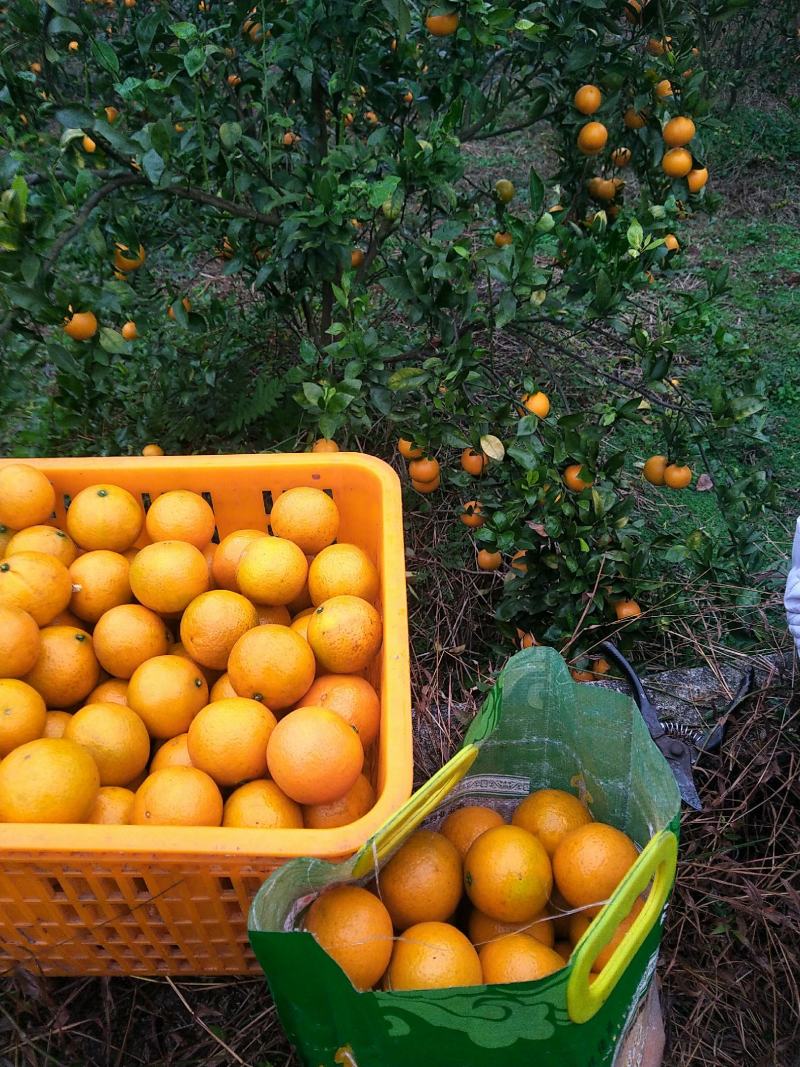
(537,728)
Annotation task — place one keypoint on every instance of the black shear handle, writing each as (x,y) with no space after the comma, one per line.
(649,713)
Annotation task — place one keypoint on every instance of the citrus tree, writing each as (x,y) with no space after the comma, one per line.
(258,224)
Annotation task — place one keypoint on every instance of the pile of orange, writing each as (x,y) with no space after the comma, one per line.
(182,682)
(481,901)
(424,471)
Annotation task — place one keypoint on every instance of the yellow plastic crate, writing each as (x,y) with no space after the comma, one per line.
(106,900)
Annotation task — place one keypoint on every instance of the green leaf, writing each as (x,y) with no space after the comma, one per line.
(407,378)
(184,30)
(62,25)
(635,235)
(312,393)
(194,60)
(230,133)
(112,341)
(383,190)
(536,192)
(153,166)
(105,55)
(506,309)
(75,117)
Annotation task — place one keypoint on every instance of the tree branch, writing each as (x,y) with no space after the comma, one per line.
(83,216)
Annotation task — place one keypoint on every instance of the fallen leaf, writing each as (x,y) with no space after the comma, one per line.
(704,483)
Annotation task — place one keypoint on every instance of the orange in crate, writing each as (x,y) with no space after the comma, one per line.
(143,900)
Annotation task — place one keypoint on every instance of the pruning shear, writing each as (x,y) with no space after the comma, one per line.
(681,753)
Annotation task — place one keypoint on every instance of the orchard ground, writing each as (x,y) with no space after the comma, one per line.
(729,984)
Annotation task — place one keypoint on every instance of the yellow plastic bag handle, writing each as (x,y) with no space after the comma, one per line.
(657,861)
(408,818)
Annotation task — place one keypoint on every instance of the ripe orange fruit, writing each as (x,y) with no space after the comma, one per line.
(173,753)
(677,162)
(126,636)
(658,46)
(233,80)
(116,738)
(306,516)
(621,157)
(272,570)
(422,880)
(408,450)
(517,958)
(580,922)
(50,779)
(314,756)
(81,326)
(442,26)
(471,514)
(167,692)
(356,258)
(23,714)
(73,46)
(112,806)
(519,562)
(696,179)
(152,450)
(324,444)
(590,862)
(66,669)
(300,624)
(56,723)
(354,928)
(635,120)
(433,955)
(549,814)
(46,539)
(19,642)
(36,583)
(677,477)
(671,242)
(273,664)
(426,487)
(179,515)
(342,569)
(592,138)
(355,803)
(488,561)
(482,929)
(408,97)
(263,805)
(213,623)
(473,462)
(273,615)
(424,470)
(99,582)
(104,516)
(663,88)
(353,699)
(26,496)
(5,537)
(228,740)
(88,144)
(125,262)
(679,131)
(345,634)
(587,99)
(465,825)
(112,114)
(185,303)
(537,404)
(626,609)
(573,480)
(502,239)
(177,796)
(507,874)
(222,689)
(654,469)
(168,575)
(229,552)
(602,188)
(371,118)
